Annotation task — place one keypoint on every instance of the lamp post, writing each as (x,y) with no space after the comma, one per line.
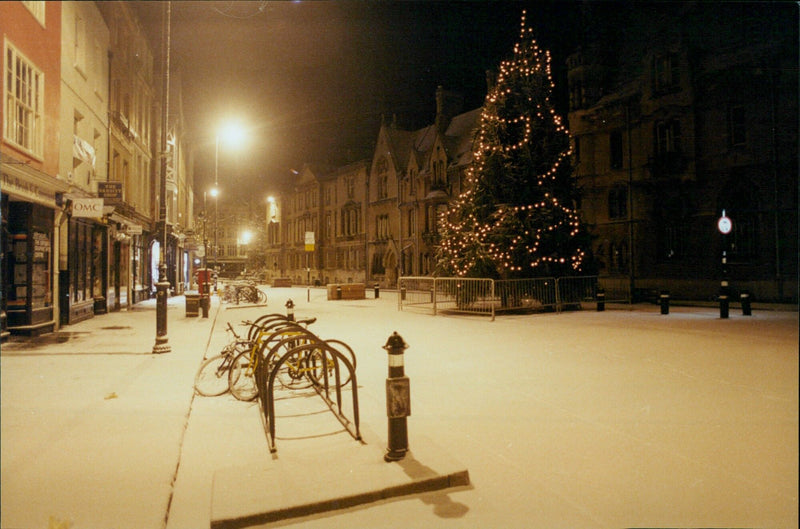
(214,193)
(232,133)
(162,341)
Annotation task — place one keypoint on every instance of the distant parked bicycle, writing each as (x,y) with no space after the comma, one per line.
(243,291)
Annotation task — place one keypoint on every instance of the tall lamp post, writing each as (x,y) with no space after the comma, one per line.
(162,341)
(233,135)
(214,193)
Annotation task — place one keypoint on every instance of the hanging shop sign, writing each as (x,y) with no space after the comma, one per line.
(87,207)
(110,192)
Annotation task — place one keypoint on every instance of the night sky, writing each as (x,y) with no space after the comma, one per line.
(311,80)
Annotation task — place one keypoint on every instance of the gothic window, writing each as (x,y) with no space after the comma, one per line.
(383,178)
(736,126)
(616,149)
(618,202)
(666,73)
(668,137)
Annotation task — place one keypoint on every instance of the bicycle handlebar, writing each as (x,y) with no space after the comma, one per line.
(230,328)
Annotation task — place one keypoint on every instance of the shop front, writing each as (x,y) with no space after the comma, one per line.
(28,252)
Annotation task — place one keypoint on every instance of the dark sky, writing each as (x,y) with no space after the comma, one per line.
(311,79)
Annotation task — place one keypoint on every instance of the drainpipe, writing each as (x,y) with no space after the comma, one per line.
(631,253)
(776,224)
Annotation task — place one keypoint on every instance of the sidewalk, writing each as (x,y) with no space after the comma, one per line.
(153,445)
(92,420)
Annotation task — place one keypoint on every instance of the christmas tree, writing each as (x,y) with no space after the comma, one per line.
(517,218)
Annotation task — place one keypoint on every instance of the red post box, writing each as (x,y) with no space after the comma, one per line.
(204,281)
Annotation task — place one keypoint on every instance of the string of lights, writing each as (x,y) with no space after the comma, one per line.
(513,217)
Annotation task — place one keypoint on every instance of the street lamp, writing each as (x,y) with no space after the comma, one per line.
(162,340)
(214,193)
(233,135)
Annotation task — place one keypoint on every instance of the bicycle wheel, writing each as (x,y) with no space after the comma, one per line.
(212,377)
(344,373)
(292,373)
(242,376)
(262,297)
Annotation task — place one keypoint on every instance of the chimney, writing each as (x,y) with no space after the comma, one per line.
(448,104)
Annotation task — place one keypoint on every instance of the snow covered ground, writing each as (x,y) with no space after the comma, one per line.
(624,418)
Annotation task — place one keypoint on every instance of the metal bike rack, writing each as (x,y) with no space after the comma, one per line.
(309,346)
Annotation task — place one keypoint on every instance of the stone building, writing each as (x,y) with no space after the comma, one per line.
(689,113)
(373,220)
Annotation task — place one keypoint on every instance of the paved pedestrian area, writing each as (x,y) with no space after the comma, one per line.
(626,418)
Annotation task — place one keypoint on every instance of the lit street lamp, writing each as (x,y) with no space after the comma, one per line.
(214,193)
(233,135)
(162,340)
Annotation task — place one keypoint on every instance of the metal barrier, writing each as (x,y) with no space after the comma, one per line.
(527,294)
(618,290)
(415,291)
(473,296)
(488,296)
(296,358)
(572,292)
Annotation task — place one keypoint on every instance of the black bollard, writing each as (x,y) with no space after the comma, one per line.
(744,297)
(398,399)
(205,303)
(601,300)
(723,306)
(290,310)
(377,291)
(664,298)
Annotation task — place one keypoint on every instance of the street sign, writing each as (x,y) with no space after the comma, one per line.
(724,224)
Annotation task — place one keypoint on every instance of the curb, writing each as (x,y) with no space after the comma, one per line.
(293,488)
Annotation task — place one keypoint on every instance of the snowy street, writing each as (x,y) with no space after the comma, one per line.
(622,418)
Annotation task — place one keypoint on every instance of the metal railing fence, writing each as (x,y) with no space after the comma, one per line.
(488,296)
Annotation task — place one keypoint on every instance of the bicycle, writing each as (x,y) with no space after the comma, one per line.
(307,365)
(212,377)
(242,374)
(243,291)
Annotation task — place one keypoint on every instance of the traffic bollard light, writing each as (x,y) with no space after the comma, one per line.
(398,399)
(745,299)
(664,298)
(290,310)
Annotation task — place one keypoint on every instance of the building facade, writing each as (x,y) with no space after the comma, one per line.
(79,186)
(695,116)
(374,220)
(83,240)
(31,187)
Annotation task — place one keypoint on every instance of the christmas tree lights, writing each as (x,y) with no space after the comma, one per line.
(515,219)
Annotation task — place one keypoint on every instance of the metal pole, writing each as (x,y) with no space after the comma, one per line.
(162,341)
